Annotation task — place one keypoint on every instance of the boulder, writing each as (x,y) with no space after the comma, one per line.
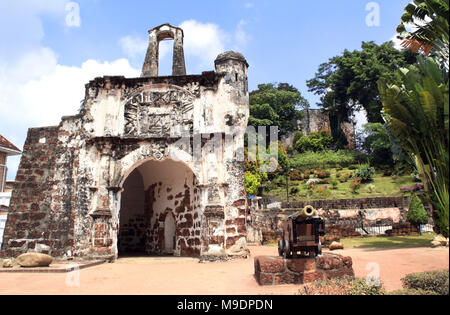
(441,240)
(336,246)
(34,260)
(435,244)
(7,263)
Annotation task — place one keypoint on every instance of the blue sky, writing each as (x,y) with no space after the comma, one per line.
(50,48)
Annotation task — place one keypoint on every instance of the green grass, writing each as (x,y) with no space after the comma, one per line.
(383,186)
(386,242)
(383,242)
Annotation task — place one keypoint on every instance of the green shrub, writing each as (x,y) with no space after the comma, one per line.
(326,159)
(417,214)
(252,183)
(280,181)
(295,190)
(316,141)
(435,281)
(334,184)
(289,151)
(365,173)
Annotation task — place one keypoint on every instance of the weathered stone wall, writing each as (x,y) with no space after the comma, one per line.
(314,120)
(342,216)
(71,177)
(40,209)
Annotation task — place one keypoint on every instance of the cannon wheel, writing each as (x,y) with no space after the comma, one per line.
(287,250)
(280,247)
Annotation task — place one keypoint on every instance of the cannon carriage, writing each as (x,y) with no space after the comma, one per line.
(301,234)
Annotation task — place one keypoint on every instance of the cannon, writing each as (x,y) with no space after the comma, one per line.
(301,234)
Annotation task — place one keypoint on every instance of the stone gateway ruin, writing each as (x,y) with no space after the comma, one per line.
(150,165)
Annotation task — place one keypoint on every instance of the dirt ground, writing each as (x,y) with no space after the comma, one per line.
(185,276)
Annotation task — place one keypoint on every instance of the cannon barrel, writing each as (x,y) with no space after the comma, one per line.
(307,211)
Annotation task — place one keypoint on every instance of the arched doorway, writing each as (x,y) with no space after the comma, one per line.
(169,234)
(159,211)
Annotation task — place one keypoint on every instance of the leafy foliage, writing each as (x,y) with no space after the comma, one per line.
(316,141)
(252,183)
(349,82)
(343,286)
(430,30)
(365,173)
(416,105)
(417,214)
(326,159)
(435,281)
(280,106)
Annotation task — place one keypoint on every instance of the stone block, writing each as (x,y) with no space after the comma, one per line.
(269,264)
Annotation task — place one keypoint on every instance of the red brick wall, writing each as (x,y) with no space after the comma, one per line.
(36,216)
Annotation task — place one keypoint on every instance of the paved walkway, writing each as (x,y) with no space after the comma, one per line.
(185,276)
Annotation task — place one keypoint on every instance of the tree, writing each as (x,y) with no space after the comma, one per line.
(280,106)
(429,29)
(252,184)
(417,215)
(349,82)
(378,144)
(416,106)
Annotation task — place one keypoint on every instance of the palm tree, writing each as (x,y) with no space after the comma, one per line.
(430,28)
(416,108)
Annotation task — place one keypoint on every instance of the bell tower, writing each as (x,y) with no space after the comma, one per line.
(158,34)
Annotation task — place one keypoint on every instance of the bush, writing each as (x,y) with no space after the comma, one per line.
(296,175)
(365,173)
(252,183)
(344,286)
(316,141)
(417,214)
(435,281)
(413,292)
(295,190)
(334,184)
(322,174)
(280,181)
(355,185)
(327,159)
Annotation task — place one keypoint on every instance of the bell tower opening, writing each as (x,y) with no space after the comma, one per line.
(162,33)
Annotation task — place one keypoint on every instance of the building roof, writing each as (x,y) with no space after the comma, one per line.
(8,147)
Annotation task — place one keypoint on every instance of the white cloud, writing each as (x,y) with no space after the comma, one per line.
(249,5)
(135,46)
(41,97)
(203,42)
(53,90)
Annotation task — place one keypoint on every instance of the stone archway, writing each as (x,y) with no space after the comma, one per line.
(160,200)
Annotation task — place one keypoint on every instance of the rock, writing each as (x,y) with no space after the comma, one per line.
(7,263)
(336,246)
(34,260)
(435,244)
(441,239)
(42,248)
